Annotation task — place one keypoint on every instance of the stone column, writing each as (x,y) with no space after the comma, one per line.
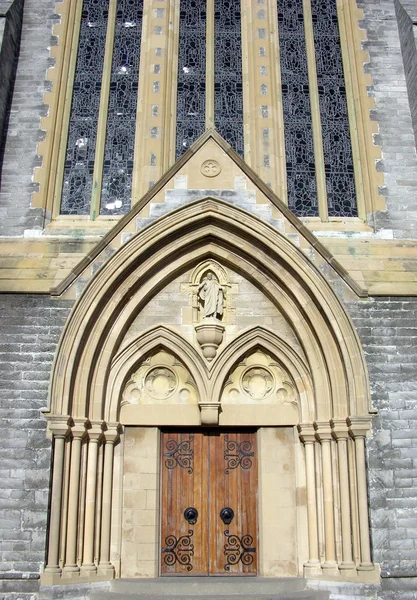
(307,436)
(324,435)
(95,435)
(78,432)
(358,429)
(341,435)
(111,436)
(59,428)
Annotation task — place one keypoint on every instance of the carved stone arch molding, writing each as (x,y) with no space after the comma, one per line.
(92,367)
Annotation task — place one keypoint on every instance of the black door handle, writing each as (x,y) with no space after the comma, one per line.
(191,515)
(227,514)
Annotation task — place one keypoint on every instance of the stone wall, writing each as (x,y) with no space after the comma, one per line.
(16,214)
(30,327)
(10,30)
(393,114)
(388,331)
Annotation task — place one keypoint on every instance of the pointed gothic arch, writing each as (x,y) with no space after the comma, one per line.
(91,365)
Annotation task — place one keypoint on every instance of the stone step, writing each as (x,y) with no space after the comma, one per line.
(225,586)
(210,588)
(301,595)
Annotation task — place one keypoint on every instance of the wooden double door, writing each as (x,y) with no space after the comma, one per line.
(209,502)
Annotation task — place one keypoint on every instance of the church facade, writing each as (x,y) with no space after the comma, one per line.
(208,292)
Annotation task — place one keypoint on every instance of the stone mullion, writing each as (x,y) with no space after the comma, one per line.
(307,436)
(103,112)
(59,432)
(315,113)
(358,429)
(111,436)
(210,64)
(94,437)
(78,433)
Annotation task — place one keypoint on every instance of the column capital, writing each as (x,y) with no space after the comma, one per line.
(79,428)
(307,433)
(359,427)
(112,432)
(95,431)
(59,425)
(340,429)
(323,431)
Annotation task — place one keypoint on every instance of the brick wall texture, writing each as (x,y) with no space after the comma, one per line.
(30,327)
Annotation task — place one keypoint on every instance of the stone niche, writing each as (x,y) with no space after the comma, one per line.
(161,380)
(260,390)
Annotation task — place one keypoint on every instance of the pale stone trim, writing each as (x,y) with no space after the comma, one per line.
(103,114)
(315,113)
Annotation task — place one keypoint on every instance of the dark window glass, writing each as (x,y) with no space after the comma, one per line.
(338,161)
(80,153)
(228,88)
(191,92)
(299,148)
(121,121)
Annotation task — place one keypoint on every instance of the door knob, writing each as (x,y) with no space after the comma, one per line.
(191,515)
(227,514)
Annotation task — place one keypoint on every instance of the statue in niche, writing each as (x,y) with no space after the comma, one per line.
(210,293)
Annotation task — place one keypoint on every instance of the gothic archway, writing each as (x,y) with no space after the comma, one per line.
(94,361)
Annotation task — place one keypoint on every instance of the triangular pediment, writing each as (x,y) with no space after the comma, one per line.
(210,168)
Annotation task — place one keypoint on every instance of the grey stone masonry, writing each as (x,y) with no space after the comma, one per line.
(388,332)
(10,29)
(29,331)
(409,52)
(27,107)
(393,114)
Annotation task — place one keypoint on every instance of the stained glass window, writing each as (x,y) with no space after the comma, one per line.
(228,88)
(82,133)
(299,147)
(191,91)
(120,137)
(338,161)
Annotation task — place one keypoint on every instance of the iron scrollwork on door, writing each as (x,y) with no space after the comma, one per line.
(238,549)
(179,550)
(237,454)
(180,454)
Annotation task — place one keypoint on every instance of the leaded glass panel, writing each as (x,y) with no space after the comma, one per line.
(298,132)
(338,160)
(82,132)
(191,91)
(228,88)
(116,189)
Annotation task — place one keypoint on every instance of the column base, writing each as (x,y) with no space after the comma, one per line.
(348,568)
(330,568)
(312,568)
(52,569)
(366,566)
(88,569)
(71,572)
(106,570)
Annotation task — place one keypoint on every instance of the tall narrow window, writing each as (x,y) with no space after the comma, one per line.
(338,161)
(299,146)
(228,88)
(82,134)
(120,137)
(191,92)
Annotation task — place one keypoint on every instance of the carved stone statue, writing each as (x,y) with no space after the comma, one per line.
(210,293)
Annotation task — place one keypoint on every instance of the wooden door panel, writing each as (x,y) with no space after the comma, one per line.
(184,467)
(209,471)
(234,478)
